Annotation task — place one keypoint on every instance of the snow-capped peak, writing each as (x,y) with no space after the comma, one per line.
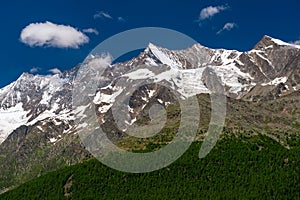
(164,56)
(268,42)
(36,97)
(32,98)
(282,43)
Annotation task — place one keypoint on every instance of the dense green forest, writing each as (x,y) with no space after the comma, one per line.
(253,167)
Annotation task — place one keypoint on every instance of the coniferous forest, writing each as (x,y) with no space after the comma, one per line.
(241,167)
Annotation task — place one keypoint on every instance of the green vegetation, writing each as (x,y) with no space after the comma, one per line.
(27,153)
(243,167)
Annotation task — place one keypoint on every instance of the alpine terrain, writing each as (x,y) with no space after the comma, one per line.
(37,129)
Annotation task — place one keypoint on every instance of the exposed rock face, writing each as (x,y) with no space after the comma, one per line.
(36,116)
(34,150)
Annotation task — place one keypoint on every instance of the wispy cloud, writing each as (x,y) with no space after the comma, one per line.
(34,70)
(91,30)
(102,14)
(121,19)
(49,34)
(106,15)
(227,27)
(297,42)
(55,71)
(211,11)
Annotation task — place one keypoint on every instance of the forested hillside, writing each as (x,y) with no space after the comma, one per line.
(253,167)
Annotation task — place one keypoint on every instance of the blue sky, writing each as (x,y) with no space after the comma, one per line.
(217,24)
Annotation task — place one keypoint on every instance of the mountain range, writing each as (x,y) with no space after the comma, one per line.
(37,128)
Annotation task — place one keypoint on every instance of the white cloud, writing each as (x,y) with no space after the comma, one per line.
(102,14)
(91,30)
(49,34)
(297,42)
(34,70)
(227,27)
(55,71)
(121,19)
(103,60)
(106,15)
(210,11)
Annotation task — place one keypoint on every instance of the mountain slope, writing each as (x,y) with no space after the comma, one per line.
(37,129)
(271,67)
(237,168)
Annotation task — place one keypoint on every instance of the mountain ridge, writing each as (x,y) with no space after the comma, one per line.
(250,71)
(36,111)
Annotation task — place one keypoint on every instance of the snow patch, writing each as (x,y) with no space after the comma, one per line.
(160,101)
(11,119)
(230,75)
(46,98)
(269,62)
(276,81)
(151,62)
(151,93)
(139,74)
(106,98)
(57,123)
(165,59)
(282,43)
(40,128)
(294,88)
(52,140)
(269,47)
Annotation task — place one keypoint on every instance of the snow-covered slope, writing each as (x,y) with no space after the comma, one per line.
(270,64)
(10,119)
(33,98)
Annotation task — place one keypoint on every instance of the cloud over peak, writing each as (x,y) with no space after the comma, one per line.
(297,42)
(34,69)
(210,11)
(227,27)
(48,34)
(55,71)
